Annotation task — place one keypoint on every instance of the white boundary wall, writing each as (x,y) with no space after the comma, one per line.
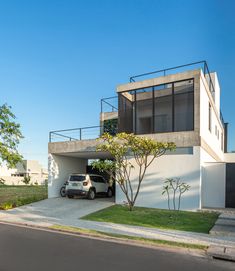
(12,180)
(185,166)
(59,169)
(213,185)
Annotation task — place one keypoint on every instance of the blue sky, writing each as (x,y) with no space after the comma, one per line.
(59,58)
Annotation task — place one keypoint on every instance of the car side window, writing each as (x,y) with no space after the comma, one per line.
(102,180)
(93,179)
(97,179)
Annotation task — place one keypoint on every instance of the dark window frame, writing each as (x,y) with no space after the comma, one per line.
(222,141)
(209,118)
(134,104)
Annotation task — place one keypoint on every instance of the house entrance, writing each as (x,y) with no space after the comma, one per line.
(230,186)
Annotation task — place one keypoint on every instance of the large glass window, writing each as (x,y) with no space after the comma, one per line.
(157,109)
(144,111)
(183,106)
(163,108)
(125,112)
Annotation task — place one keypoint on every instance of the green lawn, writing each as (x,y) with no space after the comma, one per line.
(12,196)
(157,218)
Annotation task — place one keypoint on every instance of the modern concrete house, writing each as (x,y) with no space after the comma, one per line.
(181,105)
(28,168)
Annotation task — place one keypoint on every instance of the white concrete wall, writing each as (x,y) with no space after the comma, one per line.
(215,81)
(33,167)
(59,169)
(205,157)
(12,180)
(229,157)
(213,185)
(210,137)
(6,175)
(5,171)
(185,166)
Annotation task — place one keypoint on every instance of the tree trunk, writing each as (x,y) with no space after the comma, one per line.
(131,206)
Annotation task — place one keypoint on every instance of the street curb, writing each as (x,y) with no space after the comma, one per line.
(195,252)
(221,252)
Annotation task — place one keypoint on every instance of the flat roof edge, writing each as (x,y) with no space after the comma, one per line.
(158,80)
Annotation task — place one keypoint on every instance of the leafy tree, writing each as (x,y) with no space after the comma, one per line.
(10,136)
(122,147)
(110,126)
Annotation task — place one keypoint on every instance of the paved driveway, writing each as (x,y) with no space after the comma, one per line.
(55,211)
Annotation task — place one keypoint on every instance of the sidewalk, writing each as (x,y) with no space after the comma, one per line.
(225,225)
(136,231)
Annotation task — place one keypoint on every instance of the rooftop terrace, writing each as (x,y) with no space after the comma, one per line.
(110,104)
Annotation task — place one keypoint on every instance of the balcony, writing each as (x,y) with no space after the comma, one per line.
(157,109)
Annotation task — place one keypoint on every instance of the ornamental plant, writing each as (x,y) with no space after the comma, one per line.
(123,147)
(174,188)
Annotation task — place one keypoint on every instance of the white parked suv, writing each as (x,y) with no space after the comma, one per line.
(88,185)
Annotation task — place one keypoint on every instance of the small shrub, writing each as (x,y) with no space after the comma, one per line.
(26,180)
(2,181)
(7,206)
(175,187)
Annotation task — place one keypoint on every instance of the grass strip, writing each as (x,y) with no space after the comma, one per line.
(140,240)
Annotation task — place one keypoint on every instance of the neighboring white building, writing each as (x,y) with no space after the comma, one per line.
(29,168)
(180,107)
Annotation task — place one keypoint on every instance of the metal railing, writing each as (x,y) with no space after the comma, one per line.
(200,64)
(75,134)
(109,104)
(84,133)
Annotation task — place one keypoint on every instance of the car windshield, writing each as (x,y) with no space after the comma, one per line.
(77,178)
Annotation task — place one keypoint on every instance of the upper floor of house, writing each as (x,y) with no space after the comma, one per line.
(180,104)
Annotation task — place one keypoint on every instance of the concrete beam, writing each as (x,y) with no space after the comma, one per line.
(159,80)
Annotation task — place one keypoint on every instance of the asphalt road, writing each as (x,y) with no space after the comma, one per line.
(24,249)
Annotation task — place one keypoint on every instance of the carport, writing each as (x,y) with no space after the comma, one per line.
(69,157)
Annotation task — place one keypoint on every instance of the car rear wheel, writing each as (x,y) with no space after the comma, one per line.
(91,194)
(109,193)
(62,191)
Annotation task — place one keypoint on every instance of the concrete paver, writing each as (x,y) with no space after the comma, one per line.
(225,225)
